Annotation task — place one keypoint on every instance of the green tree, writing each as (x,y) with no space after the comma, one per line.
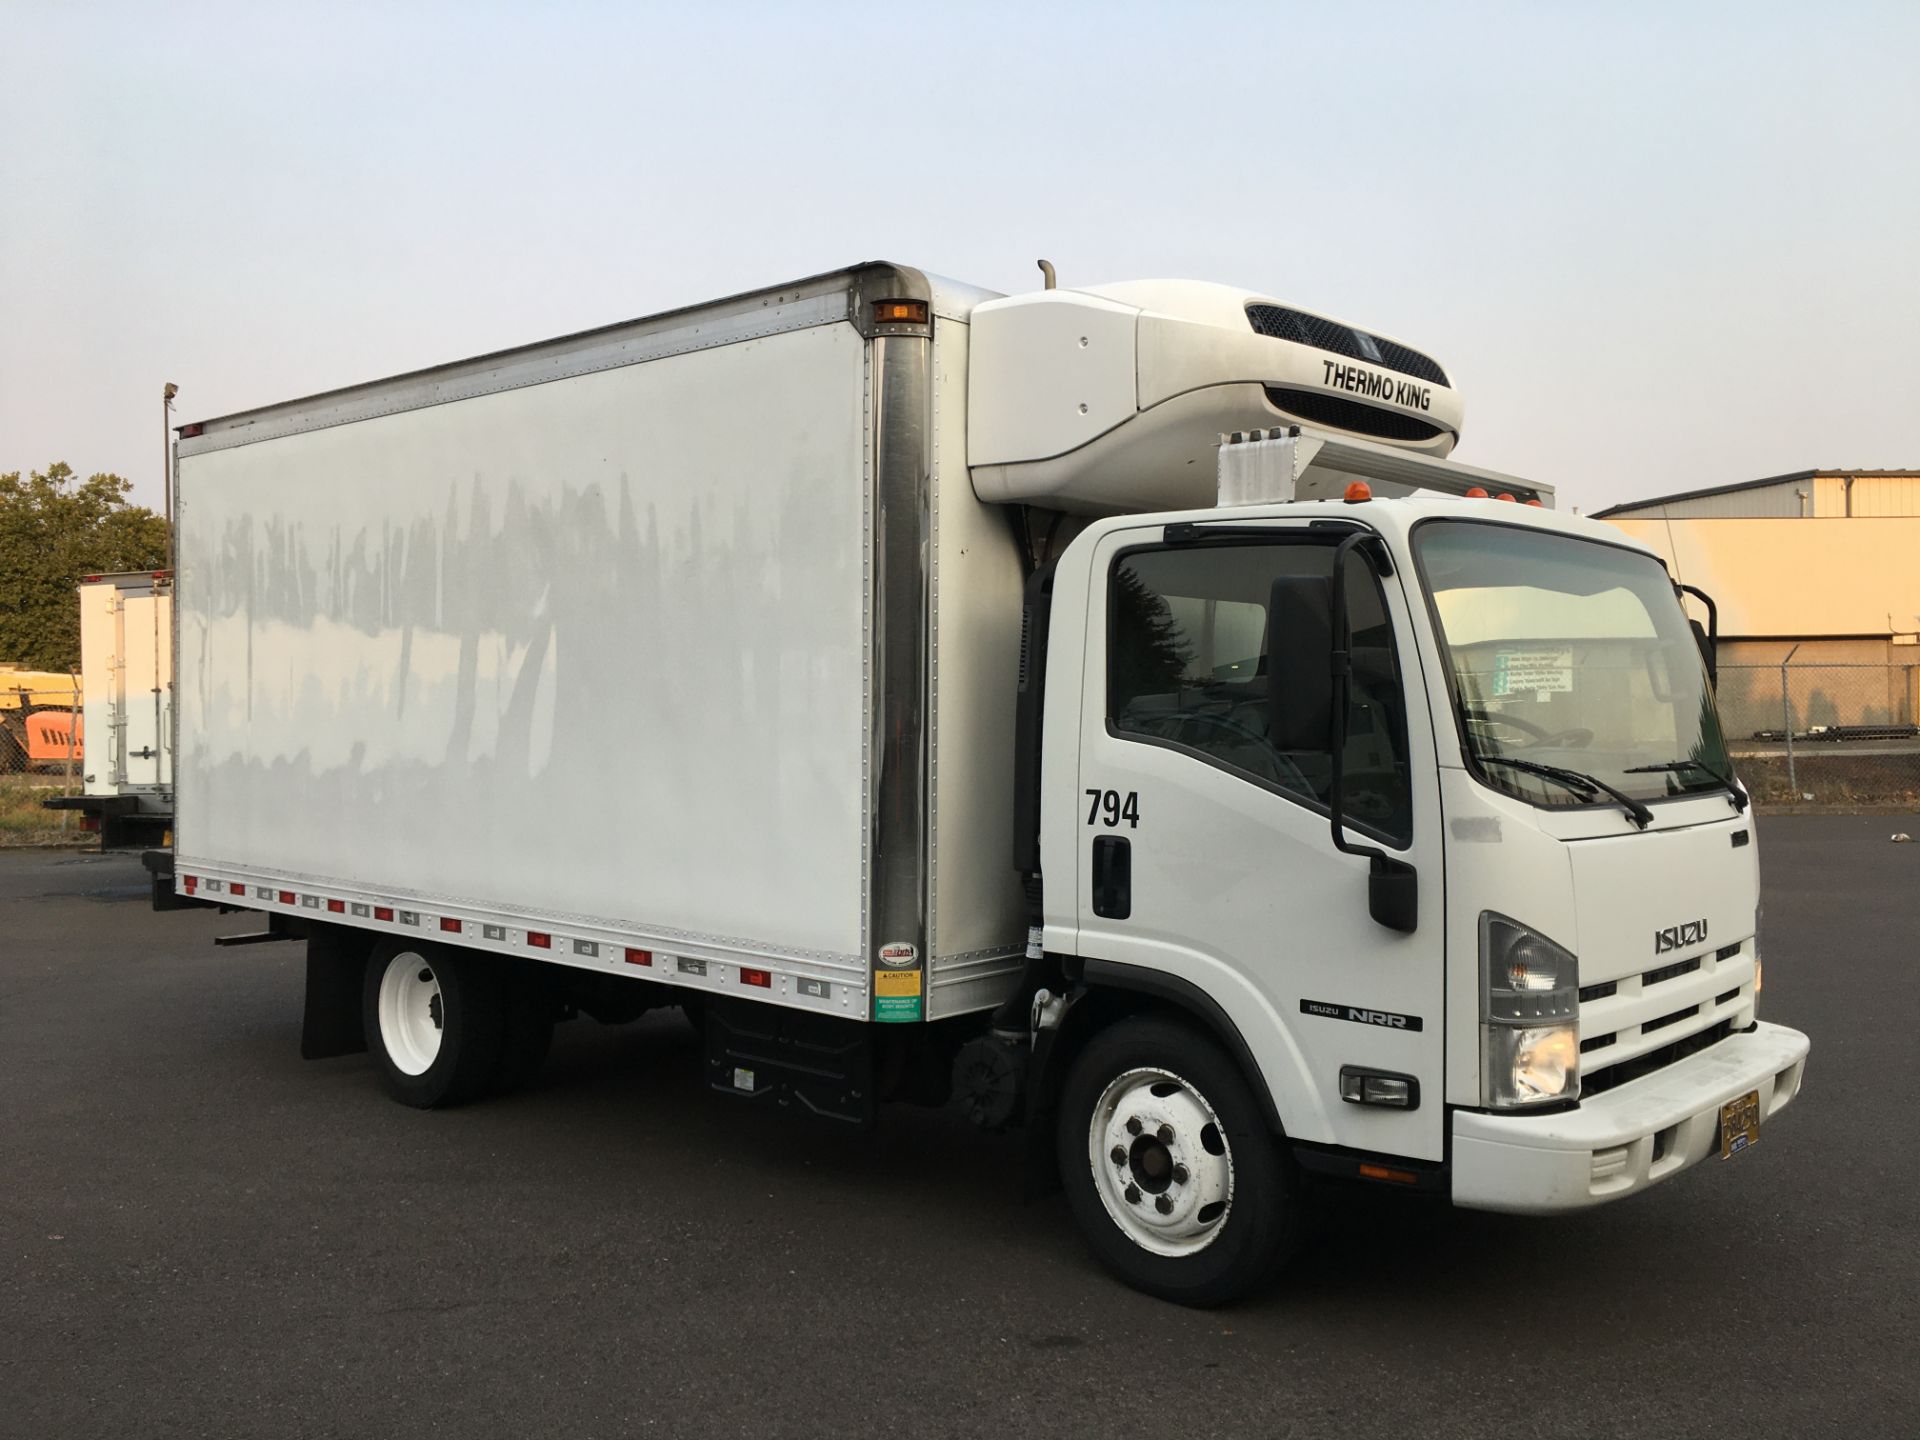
(55,528)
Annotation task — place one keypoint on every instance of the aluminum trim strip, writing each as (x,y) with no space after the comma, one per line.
(633,343)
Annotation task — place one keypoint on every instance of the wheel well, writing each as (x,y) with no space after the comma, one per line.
(1110,992)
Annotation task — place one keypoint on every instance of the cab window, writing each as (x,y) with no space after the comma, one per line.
(1187,668)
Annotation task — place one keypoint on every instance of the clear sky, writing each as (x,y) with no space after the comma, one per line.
(1657,245)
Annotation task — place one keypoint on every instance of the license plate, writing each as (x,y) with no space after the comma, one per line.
(1739,1124)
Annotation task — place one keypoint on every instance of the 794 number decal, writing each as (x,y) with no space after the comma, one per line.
(1110,805)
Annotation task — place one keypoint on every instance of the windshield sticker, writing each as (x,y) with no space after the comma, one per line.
(1541,672)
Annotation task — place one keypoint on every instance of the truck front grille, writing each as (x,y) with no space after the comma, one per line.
(1596,1082)
(1279,323)
(1350,415)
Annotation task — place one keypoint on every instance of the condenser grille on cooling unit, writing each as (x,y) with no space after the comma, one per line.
(1281,323)
(1351,416)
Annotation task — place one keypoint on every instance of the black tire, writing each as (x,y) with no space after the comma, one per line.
(1260,1225)
(470,1020)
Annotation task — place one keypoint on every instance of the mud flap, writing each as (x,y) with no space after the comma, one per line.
(336,971)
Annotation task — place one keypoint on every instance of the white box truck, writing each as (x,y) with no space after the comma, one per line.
(1106,708)
(126,708)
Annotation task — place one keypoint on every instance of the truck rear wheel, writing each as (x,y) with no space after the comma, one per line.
(1173,1177)
(435,1022)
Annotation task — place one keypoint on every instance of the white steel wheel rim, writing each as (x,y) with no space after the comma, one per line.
(412,1013)
(1161,1162)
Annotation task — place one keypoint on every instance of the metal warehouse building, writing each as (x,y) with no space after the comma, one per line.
(1817,576)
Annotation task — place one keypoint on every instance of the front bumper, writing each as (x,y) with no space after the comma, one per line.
(1625,1139)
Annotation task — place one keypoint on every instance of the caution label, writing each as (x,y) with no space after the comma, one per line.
(896,982)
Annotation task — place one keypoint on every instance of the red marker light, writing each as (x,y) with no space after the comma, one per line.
(190,883)
(539,940)
(1536,502)
(337,907)
(1476,492)
(451,926)
(287,897)
(755,977)
(639,957)
(1503,495)
(187,432)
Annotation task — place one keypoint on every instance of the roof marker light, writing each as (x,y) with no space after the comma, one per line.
(1476,492)
(1505,495)
(1357,491)
(900,312)
(1536,503)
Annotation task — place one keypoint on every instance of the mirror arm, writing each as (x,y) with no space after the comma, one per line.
(1341,662)
(1713,630)
(1392,884)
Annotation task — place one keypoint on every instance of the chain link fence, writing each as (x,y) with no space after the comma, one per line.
(42,754)
(1824,734)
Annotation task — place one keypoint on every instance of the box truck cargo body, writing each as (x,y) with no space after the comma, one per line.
(126,707)
(919,688)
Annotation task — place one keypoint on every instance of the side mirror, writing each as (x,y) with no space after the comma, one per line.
(1300,663)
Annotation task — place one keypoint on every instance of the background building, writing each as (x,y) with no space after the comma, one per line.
(1817,576)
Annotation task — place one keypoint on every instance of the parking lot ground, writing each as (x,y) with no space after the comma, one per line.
(201,1234)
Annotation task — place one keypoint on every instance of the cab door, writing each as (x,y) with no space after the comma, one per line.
(1206,852)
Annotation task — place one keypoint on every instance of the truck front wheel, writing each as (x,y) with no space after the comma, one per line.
(1173,1178)
(435,1022)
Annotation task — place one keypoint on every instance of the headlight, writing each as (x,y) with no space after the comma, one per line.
(1529,1017)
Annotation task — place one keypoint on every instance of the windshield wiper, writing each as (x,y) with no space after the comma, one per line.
(1577,781)
(1725,782)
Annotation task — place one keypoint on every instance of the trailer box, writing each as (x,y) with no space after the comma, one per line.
(700,649)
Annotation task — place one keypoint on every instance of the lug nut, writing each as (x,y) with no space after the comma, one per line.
(1163,1204)
(1179,1174)
(1119,1155)
(1133,1194)
(1134,1126)
(1165,1132)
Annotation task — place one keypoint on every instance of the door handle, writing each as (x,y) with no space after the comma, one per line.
(1112,877)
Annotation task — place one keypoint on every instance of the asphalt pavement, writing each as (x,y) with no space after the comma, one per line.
(201,1234)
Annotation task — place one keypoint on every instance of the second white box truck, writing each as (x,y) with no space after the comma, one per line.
(909,682)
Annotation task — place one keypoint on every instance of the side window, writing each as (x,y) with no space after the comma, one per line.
(1187,667)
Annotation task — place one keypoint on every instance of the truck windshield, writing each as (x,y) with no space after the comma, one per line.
(1573,656)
